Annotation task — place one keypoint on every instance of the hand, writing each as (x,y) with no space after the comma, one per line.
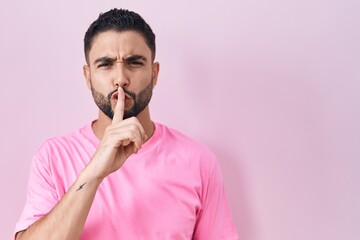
(121,139)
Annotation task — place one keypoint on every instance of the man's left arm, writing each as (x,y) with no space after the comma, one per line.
(214,219)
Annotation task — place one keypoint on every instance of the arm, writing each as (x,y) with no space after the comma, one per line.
(67,219)
(215,211)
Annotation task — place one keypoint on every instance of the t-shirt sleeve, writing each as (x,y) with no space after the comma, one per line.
(41,194)
(214,220)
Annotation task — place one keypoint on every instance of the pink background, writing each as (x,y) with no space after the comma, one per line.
(271,86)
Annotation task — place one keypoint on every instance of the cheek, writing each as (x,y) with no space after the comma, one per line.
(100,81)
(141,79)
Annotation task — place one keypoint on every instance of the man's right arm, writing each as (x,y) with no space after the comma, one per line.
(67,219)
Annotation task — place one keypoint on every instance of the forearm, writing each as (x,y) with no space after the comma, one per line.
(67,219)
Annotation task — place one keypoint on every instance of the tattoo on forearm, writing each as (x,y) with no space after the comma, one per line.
(81,187)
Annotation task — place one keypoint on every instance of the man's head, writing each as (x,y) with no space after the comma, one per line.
(119,20)
(120,50)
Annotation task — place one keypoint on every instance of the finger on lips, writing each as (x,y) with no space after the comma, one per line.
(120,105)
(132,124)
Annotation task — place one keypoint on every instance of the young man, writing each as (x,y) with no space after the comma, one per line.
(123,176)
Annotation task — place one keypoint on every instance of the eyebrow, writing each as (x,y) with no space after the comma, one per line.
(104,59)
(135,57)
(128,59)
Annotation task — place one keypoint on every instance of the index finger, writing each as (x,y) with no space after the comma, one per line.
(119,107)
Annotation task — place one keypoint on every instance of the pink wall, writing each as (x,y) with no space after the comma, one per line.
(271,86)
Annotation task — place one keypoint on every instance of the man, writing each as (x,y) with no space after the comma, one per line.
(124,176)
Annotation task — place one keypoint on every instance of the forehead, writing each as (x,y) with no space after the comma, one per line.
(118,44)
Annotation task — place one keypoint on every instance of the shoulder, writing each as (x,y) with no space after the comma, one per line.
(68,142)
(173,135)
(182,143)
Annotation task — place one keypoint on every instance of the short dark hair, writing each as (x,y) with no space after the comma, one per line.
(119,20)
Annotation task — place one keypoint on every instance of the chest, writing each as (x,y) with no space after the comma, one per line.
(137,203)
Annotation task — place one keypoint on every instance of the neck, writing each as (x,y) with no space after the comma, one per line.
(104,121)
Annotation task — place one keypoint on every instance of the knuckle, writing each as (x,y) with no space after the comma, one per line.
(134,119)
(132,134)
(133,128)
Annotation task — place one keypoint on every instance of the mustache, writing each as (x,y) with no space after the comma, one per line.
(129,93)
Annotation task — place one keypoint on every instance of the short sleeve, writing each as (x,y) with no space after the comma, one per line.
(41,195)
(214,220)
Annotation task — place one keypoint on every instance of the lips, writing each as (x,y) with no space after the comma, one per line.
(116,95)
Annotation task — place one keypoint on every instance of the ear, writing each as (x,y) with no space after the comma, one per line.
(86,70)
(155,73)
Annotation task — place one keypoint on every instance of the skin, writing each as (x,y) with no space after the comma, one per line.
(119,137)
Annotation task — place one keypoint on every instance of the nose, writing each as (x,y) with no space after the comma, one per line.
(121,78)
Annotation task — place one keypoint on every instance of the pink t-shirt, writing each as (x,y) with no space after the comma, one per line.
(171,189)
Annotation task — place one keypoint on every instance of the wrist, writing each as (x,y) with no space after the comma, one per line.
(88,175)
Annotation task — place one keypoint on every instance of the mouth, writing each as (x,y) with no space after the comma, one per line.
(115,96)
(127,101)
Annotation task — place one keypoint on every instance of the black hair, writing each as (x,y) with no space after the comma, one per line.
(119,20)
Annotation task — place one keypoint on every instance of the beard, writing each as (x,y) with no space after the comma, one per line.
(140,101)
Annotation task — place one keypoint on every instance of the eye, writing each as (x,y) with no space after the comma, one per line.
(104,65)
(135,63)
